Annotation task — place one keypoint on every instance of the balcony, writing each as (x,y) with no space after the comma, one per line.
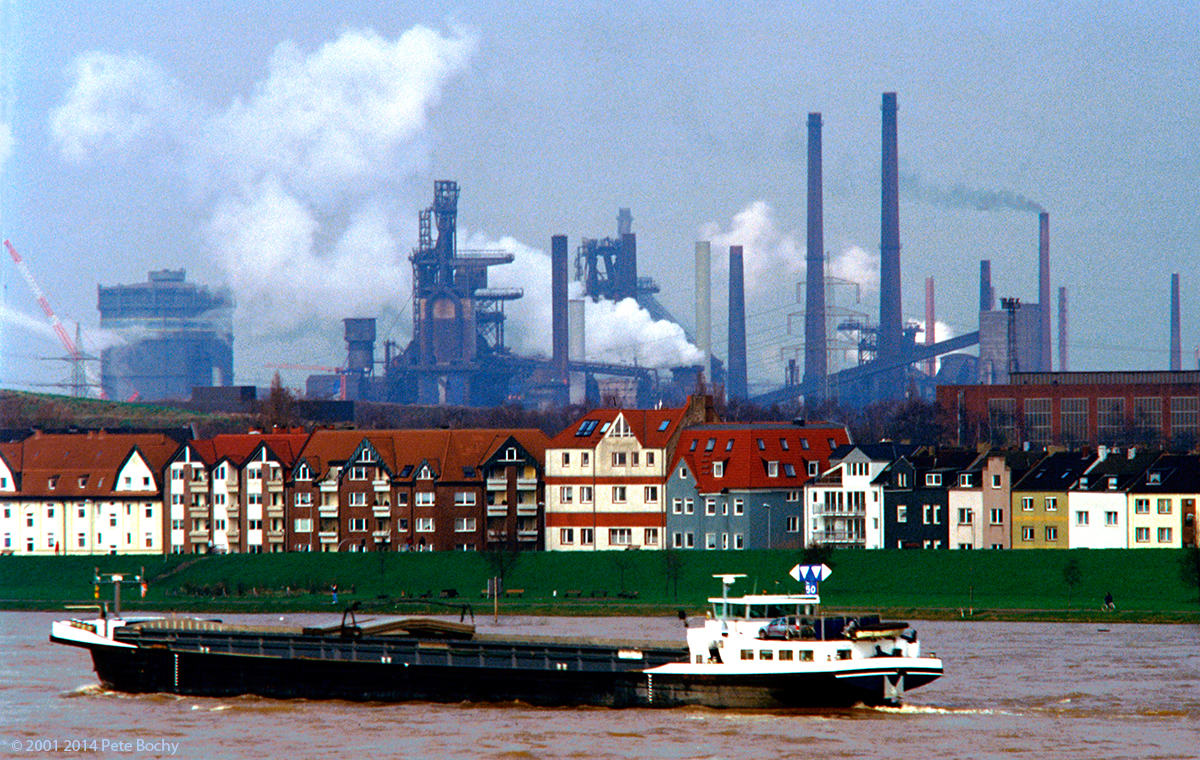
(198,535)
(278,534)
(381,510)
(328,536)
(838,537)
(381,534)
(198,486)
(197,510)
(528,510)
(328,511)
(328,487)
(274,511)
(526,484)
(497,484)
(274,486)
(497,510)
(527,534)
(839,512)
(381,485)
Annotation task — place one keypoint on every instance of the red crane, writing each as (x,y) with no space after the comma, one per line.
(78,379)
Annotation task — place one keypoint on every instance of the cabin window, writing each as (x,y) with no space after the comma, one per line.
(786,654)
(766,654)
(843,654)
(806,655)
(747,654)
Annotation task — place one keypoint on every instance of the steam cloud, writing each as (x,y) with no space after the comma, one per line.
(299,179)
(772,255)
(620,333)
(960,196)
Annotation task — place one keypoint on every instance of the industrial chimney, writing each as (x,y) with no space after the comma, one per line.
(736,381)
(815,359)
(559,330)
(890,341)
(930,326)
(1176,351)
(987,296)
(1044,287)
(704,304)
(1062,330)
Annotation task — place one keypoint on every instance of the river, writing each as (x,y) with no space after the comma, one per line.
(1010,690)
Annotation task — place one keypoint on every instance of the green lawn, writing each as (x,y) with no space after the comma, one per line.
(1145,583)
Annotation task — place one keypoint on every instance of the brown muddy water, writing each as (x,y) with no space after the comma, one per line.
(1027,690)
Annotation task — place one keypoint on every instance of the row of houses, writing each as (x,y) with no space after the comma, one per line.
(614,479)
(889,496)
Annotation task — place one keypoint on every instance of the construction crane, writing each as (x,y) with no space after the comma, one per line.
(78,378)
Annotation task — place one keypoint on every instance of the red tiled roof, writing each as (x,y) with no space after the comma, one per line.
(746,449)
(652,427)
(446,451)
(93,457)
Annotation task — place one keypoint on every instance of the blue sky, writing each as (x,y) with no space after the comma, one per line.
(285,149)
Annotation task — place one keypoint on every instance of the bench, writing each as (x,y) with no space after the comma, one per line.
(514,592)
(575,594)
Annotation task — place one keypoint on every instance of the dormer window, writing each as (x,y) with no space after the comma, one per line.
(425,473)
(933,478)
(772,469)
(718,469)
(1112,483)
(83,479)
(52,483)
(964,480)
(302,472)
(510,454)
(902,479)
(1155,478)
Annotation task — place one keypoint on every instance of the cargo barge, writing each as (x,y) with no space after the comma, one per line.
(749,652)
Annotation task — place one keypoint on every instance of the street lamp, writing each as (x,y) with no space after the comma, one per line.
(767,507)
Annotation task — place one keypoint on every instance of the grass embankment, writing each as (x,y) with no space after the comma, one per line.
(988,585)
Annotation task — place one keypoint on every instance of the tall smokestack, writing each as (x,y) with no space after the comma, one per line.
(930,326)
(815,359)
(890,328)
(1176,352)
(736,382)
(1044,286)
(704,304)
(987,295)
(1062,330)
(559,330)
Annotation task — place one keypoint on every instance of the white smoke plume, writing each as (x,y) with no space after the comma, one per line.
(617,333)
(299,179)
(769,255)
(115,102)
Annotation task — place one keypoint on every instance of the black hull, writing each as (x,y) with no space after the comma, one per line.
(385,669)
